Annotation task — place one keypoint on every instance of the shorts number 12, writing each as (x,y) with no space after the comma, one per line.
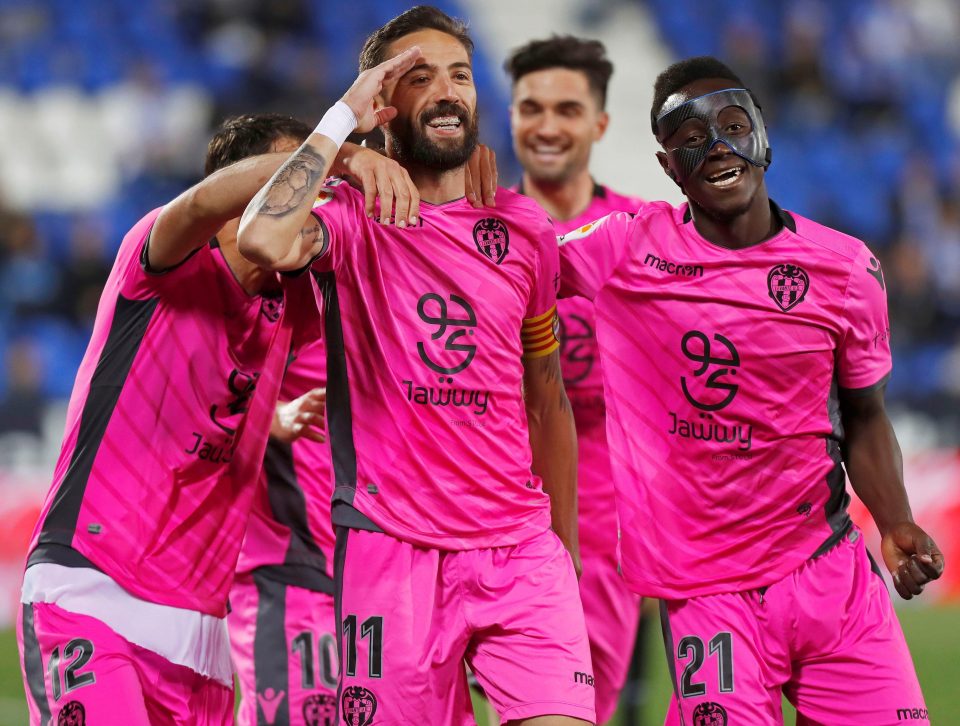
(371,628)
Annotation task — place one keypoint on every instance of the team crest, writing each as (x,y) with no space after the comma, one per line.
(788,285)
(709,713)
(359,706)
(492,238)
(72,714)
(320,710)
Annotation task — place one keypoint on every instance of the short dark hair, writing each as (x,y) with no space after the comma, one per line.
(421,17)
(564,51)
(687,71)
(249,135)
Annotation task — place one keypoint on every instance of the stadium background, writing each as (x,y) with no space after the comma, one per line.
(106,106)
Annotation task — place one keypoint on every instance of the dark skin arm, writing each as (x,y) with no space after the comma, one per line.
(874,463)
(553,441)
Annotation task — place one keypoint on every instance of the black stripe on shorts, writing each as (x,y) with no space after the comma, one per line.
(671,663)
(270,662)
(33,665)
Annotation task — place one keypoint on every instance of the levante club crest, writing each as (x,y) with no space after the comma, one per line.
(359,706)
(492,238)
(788,285)
(709,714)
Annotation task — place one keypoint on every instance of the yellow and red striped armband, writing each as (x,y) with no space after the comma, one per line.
(539,335)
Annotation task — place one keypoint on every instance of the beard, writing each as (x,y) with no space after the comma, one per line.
(414,148)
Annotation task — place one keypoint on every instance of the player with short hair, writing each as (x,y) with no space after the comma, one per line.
(453,441)
(558,112)
(281,621)
(125,591)
(745,353)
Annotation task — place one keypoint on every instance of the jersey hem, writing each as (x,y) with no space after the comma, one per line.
(511,534)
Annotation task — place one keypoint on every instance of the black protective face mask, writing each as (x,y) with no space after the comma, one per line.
(753,147)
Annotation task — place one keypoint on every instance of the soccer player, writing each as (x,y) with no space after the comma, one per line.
(125,591)
(453,440)
(745,352)
(557,114)
(281,621)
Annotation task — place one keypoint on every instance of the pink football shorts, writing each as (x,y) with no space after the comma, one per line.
(825,635)
(78,671)
(284,647)
(410,615)
(612,614)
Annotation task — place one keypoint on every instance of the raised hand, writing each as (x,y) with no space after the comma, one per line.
(481,177)
(359,97)
(302,416)
(912,557)
(380,177)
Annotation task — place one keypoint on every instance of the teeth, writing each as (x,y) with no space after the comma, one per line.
(725,178)
(444,121)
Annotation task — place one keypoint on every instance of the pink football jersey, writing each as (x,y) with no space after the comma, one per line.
(721,372)
(289,529)
(427,329)
(580,361)
(166,426)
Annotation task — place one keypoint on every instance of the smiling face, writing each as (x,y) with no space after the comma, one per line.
(437,125)
(723,184)
(555,118)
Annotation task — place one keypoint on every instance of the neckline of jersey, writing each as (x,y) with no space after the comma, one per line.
(786,219)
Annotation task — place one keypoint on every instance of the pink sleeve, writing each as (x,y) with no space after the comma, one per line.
(539,332)
(134,280)
(863,357)
(589,254)
(339,208)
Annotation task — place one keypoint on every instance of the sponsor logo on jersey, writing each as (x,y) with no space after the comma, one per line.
(359,706)
(876,272)
(584,678)
(722,366)
(454,324)
(709,714)
(320,709)
(492,238)
(787,285)
(72,714)
(672,268)
(912,714)
(577,348)
(710,389)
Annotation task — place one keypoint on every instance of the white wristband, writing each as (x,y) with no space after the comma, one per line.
(337,123)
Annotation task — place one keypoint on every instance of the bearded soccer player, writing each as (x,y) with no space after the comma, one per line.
(448,477)
(745,353)
(125,592)
(557,114)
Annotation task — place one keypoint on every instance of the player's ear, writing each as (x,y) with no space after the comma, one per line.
(603,121)
(665,165)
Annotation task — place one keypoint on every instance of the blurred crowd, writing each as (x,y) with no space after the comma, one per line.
(106,105)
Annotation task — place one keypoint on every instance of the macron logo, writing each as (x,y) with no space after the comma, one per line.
(672,268)
(584,678)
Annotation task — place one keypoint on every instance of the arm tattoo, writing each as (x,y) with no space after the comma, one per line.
(550,367)
(293,183)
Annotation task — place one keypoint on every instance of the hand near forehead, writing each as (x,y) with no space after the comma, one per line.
(360,96)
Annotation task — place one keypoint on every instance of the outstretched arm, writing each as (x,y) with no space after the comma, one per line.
(270,227)
(553,441)
(873,461)
(190,220)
